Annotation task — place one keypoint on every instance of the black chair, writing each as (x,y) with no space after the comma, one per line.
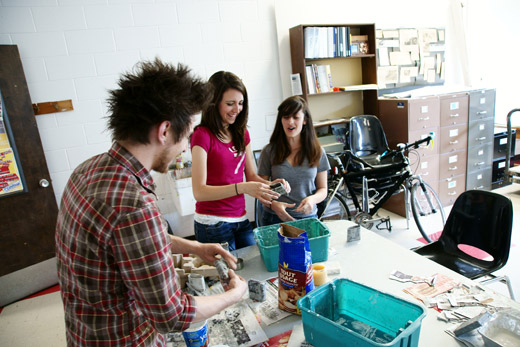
(482,220)
(368,148)
(374,171)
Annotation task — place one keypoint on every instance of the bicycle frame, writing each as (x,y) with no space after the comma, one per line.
(387,193)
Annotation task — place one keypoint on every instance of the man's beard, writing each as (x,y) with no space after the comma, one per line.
(163,162)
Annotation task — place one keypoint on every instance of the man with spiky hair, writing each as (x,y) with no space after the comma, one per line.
(114,255)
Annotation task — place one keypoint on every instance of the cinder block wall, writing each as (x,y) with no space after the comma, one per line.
(76,49)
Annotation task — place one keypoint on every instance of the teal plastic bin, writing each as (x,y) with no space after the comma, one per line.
(267,241)
(346,313)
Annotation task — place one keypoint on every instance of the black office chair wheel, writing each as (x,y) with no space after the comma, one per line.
(364,219)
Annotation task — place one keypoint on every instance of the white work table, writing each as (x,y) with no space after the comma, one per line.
(370,261)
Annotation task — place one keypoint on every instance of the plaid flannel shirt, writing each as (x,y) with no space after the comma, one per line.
(114,259)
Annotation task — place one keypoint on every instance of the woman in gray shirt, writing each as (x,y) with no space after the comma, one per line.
(294,153)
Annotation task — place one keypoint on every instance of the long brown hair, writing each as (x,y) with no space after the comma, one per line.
(222,81)
(310,146)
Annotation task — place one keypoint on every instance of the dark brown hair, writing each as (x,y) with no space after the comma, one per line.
(310,146)
(151,93)
(222,81)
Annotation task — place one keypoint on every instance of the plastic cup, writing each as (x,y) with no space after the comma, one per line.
(197,335)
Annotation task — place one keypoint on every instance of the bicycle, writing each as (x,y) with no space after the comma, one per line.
(354,185)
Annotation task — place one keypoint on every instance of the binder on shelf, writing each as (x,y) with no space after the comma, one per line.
(330,42)
(329,77)
(323,79)
(311,84)
(316,78)
(348,40)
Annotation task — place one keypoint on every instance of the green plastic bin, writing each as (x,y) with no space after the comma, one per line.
(267,241)
(346,313)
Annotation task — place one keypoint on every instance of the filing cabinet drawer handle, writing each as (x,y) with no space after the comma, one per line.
(424,118)
(481,138)
(479,187)
(479,163)
(452,193)
(454,115)
(481,112)
(454,142)
(452,168)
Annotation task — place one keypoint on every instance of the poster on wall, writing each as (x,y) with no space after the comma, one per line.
(410,57)
(11,178)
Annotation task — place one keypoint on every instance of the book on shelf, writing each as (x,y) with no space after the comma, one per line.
(316,78)
(326,42)
(319,78)
(358,87)
(323,78)
(311,84)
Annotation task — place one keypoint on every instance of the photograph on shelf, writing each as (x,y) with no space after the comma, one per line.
(361,44)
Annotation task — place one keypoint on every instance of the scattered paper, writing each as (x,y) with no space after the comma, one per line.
(423,291)
(267,311)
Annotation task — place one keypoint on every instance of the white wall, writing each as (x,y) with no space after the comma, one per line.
(75,49)
(494,51)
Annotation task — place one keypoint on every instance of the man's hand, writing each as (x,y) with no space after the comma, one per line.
(236,282)
(208,252)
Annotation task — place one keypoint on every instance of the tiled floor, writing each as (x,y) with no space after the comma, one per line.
(39,321)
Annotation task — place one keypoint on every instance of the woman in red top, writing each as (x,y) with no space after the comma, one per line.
(221,155)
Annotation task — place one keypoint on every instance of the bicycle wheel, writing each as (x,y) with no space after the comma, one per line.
(336,210)
(427,210)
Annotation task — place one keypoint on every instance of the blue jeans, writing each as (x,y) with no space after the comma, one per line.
(237,235)
(272,218)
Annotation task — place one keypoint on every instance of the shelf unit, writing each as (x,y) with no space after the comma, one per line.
(357,74)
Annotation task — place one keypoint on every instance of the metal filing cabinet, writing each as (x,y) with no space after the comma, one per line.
(409,120)
(452,145)
(499,156)
(481,119)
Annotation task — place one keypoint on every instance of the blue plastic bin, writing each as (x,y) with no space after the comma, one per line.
(267,241)
(346,313)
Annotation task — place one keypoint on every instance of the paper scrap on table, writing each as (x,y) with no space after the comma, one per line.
(267,311)
(402,277)
(423,291)
(236,326)
(297,338)
(280,340)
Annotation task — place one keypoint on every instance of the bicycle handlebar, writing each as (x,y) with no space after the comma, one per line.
(416,144)
(406,146)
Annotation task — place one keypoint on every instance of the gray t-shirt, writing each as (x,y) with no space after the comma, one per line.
(301,178)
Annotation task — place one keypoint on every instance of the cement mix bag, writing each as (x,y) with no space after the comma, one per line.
(294,267)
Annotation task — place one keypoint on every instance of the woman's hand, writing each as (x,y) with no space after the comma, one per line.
(280,209)
(260,191)
(306,206)
(285,184)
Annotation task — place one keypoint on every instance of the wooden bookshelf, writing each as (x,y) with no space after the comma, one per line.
(356,75)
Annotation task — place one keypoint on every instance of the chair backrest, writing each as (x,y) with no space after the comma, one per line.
(483,220)
(256,155)
(367,136)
